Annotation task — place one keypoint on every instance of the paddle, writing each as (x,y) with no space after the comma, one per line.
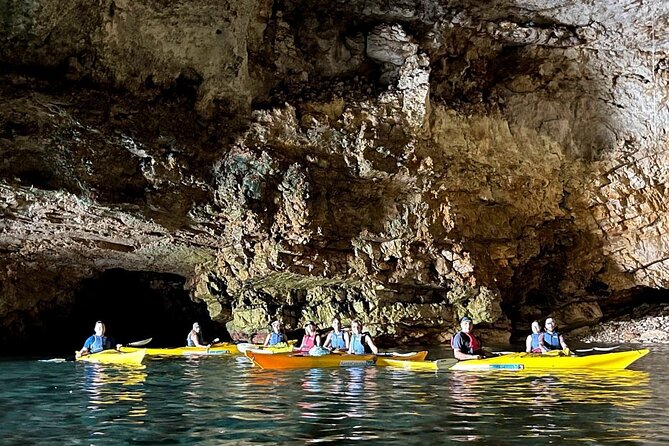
(597,349)
(141,343)
(447,363)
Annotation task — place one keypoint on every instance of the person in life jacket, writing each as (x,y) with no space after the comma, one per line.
(338,338)
(310,338)
(465,345)
(194,338)
(533,343)
(359,342)
(277,335)
(98,341)
(551,339)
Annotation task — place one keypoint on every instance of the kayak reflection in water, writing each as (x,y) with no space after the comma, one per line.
(359,342)
(465,345)
(98,341)
(534,342)
(276,336)
(194,338)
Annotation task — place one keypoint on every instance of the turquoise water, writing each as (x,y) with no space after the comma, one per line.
(224,400)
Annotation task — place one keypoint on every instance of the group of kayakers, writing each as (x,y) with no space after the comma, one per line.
(548,339)
(467,346)
(354,340)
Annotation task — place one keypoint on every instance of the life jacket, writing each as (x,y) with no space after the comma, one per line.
(307,343)
(356,344)
(189,341)
(337,340)
(552,340)
(536,342)
(100,343)
(471,343)
(276,338)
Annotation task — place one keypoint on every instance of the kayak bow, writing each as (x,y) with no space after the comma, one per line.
(113,357)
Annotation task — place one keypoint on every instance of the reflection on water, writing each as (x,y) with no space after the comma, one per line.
(108,385)
(214,401)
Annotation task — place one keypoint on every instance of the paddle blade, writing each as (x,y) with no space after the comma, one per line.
(443,364)
(140,343)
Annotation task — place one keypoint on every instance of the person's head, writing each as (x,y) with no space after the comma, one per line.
(310,328)
(196,327)
(536,328)
(356,326)
(466,324)
(549,324)
(336,323)
(276,326)
(100,328)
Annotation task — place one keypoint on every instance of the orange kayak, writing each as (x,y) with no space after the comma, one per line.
(302,361)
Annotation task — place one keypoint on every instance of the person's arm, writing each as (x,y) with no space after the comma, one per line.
(267,338)
(317,341)
(328,340)
(194,338)
(528,344)
(563,344)
(464,356)
(86,349)
(371,345)
(347,340)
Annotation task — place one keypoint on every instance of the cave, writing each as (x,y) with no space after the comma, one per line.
(135,305)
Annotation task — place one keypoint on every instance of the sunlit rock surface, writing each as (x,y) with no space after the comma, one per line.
(404,162)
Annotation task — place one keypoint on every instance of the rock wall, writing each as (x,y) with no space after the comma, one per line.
(403,162)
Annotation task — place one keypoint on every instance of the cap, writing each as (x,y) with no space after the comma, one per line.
(466,319)
(276,323)
(196,325)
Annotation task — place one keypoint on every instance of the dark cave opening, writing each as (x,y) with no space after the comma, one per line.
(134,305)
(140,305)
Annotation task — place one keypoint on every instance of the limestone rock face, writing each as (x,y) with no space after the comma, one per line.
(404,163)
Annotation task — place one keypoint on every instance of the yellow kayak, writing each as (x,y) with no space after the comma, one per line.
(519,361)
(114,357)
(223,348)
(405,364)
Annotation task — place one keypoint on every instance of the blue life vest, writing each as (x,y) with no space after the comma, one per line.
(337,340)
(276,338)
(552,341)
(356,345)
(96,343)
(189,341)
(536,339)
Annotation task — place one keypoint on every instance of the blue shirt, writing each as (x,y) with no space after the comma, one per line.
(96,343)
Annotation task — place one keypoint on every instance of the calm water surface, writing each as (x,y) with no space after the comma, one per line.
(214,401)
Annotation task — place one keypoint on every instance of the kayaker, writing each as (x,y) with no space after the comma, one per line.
(98,341)
(194,338)
(533,343)
(359,342)
(276,336)
(310,339)
(337,339)
(552,339)
(465,345)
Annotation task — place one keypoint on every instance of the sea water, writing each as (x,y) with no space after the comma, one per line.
(226,401)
